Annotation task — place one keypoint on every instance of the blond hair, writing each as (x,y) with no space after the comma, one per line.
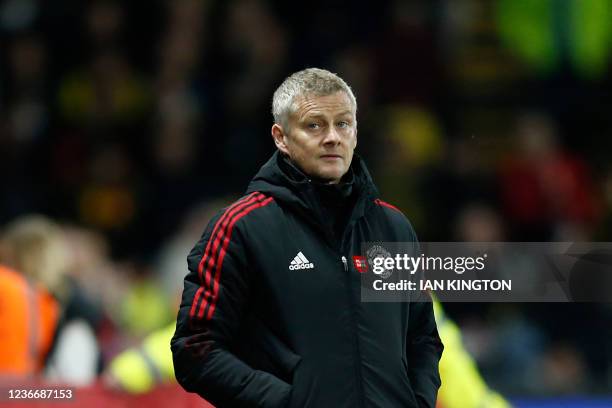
(36,247)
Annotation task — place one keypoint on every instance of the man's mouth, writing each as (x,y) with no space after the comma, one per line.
(331,156)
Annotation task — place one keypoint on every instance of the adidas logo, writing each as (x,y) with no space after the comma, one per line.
(300,262)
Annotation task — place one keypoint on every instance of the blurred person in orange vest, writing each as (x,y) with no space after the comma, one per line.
(28,316)
(67,349)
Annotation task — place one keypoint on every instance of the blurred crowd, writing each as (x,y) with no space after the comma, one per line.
(124,126)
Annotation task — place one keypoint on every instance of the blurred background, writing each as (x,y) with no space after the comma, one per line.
(125,125)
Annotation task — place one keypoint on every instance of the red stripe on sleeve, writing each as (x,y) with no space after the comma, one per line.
(384,204)
(221,256)
(216,241)
(218,236)
(206,254)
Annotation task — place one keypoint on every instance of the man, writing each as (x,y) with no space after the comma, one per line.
(271,313)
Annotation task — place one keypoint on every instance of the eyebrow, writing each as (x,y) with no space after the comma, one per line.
(320,115)
(348,112)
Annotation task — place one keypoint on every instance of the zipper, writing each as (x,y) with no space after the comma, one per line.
(356,348)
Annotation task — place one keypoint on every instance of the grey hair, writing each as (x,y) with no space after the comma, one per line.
(310,81)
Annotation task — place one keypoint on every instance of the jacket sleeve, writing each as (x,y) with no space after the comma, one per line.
(424,349)
(423,344)
(213,303)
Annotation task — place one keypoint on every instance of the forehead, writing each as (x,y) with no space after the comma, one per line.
(328,105)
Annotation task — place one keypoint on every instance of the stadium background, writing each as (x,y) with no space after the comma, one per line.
(127,122)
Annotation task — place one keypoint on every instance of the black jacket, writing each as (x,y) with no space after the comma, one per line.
(271,313)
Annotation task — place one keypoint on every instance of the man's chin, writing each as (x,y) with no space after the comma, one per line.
(329,178)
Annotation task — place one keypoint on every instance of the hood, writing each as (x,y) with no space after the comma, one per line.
(289,186)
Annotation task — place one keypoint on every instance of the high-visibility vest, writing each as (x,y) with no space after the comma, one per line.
(139,369)
(28,320)
(462,385)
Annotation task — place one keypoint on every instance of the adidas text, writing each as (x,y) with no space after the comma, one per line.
(300,262)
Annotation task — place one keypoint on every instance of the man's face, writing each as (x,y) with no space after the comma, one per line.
(322,136)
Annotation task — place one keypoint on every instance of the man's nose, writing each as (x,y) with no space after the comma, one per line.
(332,136)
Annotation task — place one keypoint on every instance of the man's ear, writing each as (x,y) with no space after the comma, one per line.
(279,136)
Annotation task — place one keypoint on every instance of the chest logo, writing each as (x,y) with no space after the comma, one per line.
(361,263)
(300,262)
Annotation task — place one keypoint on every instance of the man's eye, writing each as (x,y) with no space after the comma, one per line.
(313,125)
(343,124)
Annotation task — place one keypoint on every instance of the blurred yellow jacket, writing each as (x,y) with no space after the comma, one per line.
(462,385)
(138,370)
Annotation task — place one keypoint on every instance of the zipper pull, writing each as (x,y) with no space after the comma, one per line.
(345,263)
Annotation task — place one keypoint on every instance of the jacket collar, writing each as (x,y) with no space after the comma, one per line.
(289,185)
